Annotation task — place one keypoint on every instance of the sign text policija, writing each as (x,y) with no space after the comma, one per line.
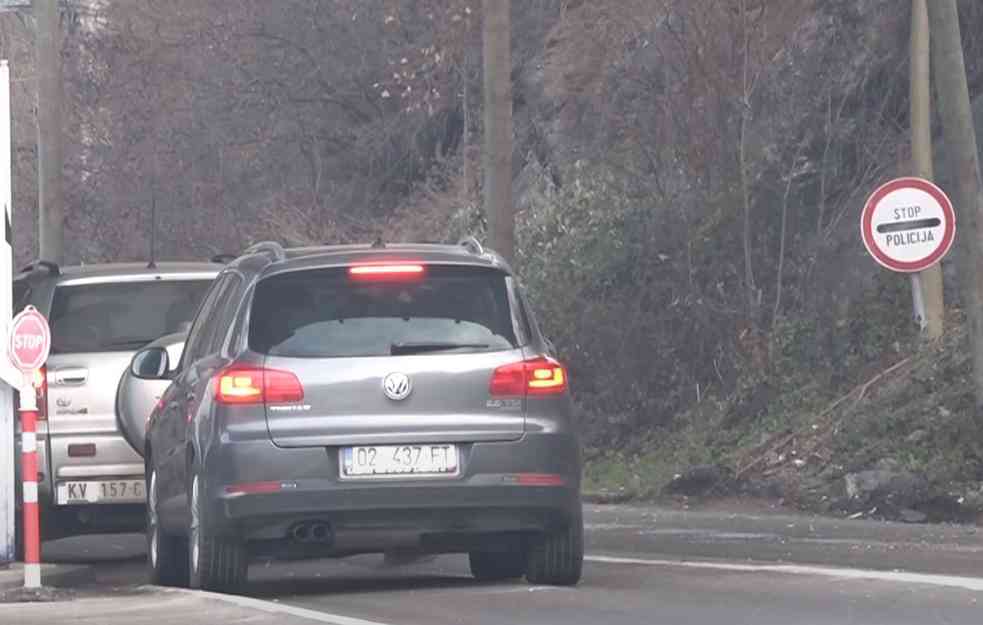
(908,225)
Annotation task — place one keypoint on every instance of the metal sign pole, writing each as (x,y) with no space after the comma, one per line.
(918,301)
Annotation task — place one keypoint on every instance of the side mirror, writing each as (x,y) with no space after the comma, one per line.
(151,364)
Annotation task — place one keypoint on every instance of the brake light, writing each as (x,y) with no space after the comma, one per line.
(253,488)
(41,392)
(282,387)
(247,386)
(536,479)
(382,272)
(538,376)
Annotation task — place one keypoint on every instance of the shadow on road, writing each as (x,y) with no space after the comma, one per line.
(358,575)
(104,548)
(296,586)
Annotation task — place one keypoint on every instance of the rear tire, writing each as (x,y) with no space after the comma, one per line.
(557,558)
(167,556)
(495,566)
(218,563)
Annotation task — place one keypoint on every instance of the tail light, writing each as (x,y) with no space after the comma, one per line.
(41,391)
(257,385)
(538,376)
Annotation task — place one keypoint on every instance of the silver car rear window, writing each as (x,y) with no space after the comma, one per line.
(325,313)
(105,317)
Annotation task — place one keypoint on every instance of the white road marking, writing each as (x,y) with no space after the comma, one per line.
(951,581)
(272,607)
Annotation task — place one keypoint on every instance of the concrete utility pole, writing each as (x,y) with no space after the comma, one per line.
(8,376)
(498,127)
(963,158)
(51,199)
(926,285)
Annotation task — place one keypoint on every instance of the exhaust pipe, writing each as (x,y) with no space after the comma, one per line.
(319,532)
(301,532)
(312,532)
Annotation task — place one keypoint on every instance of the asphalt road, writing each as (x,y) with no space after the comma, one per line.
(646,566)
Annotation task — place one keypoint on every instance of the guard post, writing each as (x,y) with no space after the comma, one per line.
(30,344)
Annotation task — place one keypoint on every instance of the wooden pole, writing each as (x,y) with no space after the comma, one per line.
(51,201)
(926,286)
(961,152)
(497,155)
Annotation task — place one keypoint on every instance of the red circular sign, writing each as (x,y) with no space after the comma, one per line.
(908,224)
(30,340)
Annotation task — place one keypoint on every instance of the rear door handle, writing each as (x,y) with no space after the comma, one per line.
(75,376)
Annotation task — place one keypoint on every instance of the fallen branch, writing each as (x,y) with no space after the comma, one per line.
(862,388)
(872,381)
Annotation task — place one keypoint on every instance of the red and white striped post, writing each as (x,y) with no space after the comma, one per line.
(30,342)
(29,474)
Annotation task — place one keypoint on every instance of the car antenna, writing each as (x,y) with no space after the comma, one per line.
(153,230)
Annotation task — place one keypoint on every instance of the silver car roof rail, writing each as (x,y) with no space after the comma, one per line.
(472,245)
(272,248)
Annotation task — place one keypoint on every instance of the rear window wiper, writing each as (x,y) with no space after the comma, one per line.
(398,349)
(128,343)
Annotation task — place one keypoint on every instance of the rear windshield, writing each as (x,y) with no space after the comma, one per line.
(325,313)
(121,316)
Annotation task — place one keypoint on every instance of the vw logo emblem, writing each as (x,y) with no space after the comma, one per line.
(397,386)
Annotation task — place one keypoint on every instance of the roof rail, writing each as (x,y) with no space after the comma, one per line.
(223,259)
(268,247)
(472,245)
(51,267)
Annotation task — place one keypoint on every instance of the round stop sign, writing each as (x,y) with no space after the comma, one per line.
(30,340)
(908,224)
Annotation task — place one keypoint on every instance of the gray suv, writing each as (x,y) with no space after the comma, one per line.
(90,479)
(363,399)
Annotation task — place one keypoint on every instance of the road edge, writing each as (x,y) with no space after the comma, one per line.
(58,575)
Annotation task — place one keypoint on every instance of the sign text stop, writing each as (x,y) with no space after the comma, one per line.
(30,340)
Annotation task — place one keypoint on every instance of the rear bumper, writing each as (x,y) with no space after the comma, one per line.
(484,499)
(114,461)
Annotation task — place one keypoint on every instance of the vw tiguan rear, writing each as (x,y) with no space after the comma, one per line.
(363,399)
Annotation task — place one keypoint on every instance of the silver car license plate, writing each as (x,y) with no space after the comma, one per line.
(390,461)
(101,492)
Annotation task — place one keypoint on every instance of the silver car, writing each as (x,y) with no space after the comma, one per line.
(90,479)
(137,396)
(363,399)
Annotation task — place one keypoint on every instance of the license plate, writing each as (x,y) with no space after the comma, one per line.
(399,461)
(116,491)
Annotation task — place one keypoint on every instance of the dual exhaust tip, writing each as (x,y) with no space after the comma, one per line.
(308,532)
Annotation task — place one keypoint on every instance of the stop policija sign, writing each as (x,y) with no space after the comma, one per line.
(30,340)
(908,225)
